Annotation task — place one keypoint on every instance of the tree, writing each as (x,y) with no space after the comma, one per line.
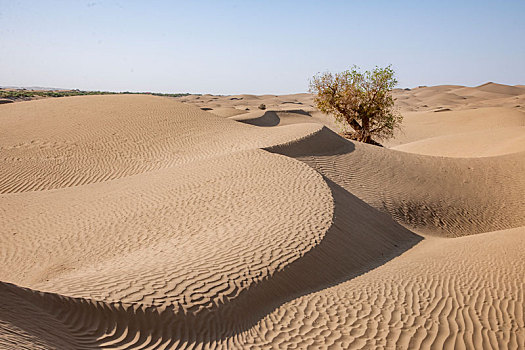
(362,101)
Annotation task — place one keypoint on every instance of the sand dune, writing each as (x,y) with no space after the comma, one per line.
(501,89)
(133,134)
(436,295)
(434,195)
(426,125)
(134,221)
(483,143)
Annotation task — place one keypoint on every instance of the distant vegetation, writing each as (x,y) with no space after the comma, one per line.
(21,94)
(361,101)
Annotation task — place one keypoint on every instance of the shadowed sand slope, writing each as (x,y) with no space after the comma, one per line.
(433,195)
(274,118)
(465,293)
(142,222)
(88,323)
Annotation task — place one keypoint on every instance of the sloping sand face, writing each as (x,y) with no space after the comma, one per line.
(50,144)
(142,222)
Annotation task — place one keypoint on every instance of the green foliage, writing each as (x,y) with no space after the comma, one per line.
(170,95)
(28,94)
(362,101)
(18,94)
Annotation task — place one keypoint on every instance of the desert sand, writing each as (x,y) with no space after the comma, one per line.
(135,221)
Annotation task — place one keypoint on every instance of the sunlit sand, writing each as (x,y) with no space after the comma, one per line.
(136,221)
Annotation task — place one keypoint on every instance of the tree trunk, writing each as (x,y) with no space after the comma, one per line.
(361,132)
(354,124)
(358,136)
(365,131)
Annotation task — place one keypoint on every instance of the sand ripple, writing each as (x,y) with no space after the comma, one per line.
(140,222)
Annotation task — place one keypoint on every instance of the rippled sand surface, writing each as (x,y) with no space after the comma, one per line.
(133,221)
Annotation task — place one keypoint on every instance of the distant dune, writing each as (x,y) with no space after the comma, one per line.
(136,221)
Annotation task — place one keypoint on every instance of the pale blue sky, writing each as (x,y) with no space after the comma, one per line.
(227,47)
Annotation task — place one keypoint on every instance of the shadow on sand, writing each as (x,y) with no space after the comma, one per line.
(275,118)
(360,239)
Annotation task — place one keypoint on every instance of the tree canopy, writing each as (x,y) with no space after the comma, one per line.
(362,101)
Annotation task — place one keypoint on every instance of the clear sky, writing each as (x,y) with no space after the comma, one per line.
(227,47)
